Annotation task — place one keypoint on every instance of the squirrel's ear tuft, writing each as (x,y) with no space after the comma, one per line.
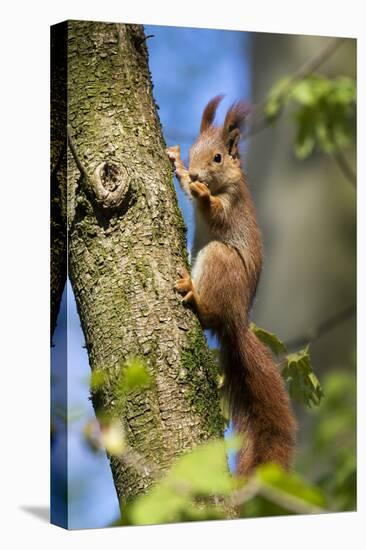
(234,124)
(209,112)
(236,115)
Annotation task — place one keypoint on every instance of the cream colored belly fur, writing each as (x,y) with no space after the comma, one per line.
(200,260)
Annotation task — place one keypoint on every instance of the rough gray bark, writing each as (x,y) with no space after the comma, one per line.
(58,167)
(126,243)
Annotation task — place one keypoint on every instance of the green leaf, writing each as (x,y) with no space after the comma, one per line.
(344,90)
(200,473)
(303,384)
(304,147)
(298,372)
(330,456)
(167,504)
(303,93)
(305,141)
(273,476)
(324,112)
(276,492)
(162,504)
(134,375)
(269,339)
(205,469)
(276,100)
(97,379)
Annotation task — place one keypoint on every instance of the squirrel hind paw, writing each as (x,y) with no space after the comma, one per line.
(183,285)
(189,298)
(182,272)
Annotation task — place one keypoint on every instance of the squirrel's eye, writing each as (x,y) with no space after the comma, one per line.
(217,157)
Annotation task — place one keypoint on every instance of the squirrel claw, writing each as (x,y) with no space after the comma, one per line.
(173,153)
(185,284)
(200,190)
(188,298)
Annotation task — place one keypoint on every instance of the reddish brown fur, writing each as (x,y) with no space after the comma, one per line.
(209,112)
(226,269)
(236,115)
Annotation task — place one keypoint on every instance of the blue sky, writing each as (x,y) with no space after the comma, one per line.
(188,67)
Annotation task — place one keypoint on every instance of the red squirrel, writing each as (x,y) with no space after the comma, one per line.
(227,261)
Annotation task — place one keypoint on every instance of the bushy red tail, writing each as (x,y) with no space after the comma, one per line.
(258,401)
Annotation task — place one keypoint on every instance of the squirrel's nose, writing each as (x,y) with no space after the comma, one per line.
(193,176)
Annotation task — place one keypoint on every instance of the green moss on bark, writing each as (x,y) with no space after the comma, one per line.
(199,368)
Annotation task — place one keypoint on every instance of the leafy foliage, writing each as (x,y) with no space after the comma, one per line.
(269,339)
(298,371)
(302,382)
(199,487)
(276,492)
(97,379)
(325,112)
(330,455)
(134,375)
(193,480)
(110,435)
(277,99)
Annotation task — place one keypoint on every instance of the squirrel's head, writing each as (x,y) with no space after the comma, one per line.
(214,158)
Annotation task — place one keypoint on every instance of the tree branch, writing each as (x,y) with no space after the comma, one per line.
(75,155)
(260,121)
(316,332)
(287,501)
(303,71)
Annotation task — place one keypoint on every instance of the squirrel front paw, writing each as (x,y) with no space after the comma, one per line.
(173,153)
(180,170)
(200,191)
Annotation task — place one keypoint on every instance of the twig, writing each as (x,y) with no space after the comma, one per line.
(304,70)
(245,493)
(75,155)
(289,502)
(147,37)
(259,120)
(324,327)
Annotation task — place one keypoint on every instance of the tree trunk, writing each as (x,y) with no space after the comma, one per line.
(58,167)
(126,242)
